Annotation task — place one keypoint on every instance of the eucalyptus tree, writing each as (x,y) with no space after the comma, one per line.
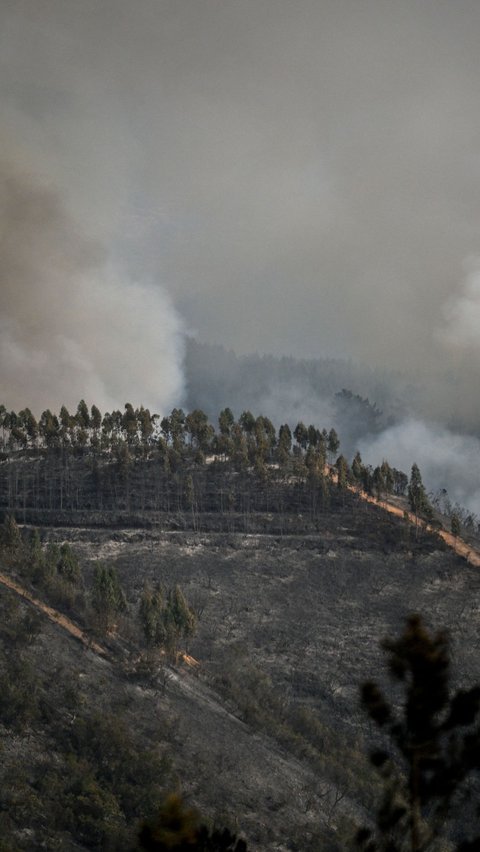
(284,444)
(400,482)
(10,537)
(388,476)
(313,435)
(333,443)
(265,439)
(130,424)
(67,426)
(357,467)
(68,565)
(200,430)
(49,428)
(108,599)
(83,415)
(95,418)
(165,618)
(29,424)
(152,606)
(173,429)
(379,482)
(417,496)
(225,422)
(18,437)
(300,433)
(224,440)
(146,425)
(247,422)
(239,448)
(342,468)
(95,425)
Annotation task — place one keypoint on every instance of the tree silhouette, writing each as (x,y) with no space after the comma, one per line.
(431,747)
(178,829)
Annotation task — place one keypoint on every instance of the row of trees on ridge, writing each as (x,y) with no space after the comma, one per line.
(182,444)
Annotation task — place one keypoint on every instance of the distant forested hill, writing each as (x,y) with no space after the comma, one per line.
(357,400)
(217,377)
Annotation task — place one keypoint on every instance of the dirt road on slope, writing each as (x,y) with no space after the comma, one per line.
(54,615)
(457,544)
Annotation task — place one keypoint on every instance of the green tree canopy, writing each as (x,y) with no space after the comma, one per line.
(417,496)
(10,537)
(300,433)
(152,605)
(68,566)
(226,421)
(107,597)
(83,416)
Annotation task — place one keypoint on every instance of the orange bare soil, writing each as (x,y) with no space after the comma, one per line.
(459,546)
(54,615)
(456,543)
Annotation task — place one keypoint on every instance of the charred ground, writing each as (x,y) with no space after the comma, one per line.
(292,579)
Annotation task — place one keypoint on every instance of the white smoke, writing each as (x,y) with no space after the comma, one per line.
(446,460)
(462,311)
(72,325)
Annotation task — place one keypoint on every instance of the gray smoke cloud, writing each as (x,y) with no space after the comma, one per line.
(300,180)
(446,460)
(462,311)
(71,326)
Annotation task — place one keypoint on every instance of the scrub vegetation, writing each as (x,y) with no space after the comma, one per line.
(229,587)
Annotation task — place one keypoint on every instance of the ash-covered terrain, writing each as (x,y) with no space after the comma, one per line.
(255,718)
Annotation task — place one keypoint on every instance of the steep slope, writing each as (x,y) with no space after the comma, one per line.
(265,733)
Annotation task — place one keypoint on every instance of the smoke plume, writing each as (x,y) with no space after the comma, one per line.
(300,183)
(462,311)
(71,324)
(446,460)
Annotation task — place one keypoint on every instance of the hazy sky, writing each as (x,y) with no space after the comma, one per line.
(295,176)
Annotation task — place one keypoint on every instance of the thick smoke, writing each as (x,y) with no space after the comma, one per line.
(301,182)
(382,413)
(446,460)
(462,311)
(71,325)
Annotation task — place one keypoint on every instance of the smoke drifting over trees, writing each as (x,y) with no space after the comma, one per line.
(447,460)
(68,319)
(301,184)
(382,413)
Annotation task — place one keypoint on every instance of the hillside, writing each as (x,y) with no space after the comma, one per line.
(265,734)
(194,610)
